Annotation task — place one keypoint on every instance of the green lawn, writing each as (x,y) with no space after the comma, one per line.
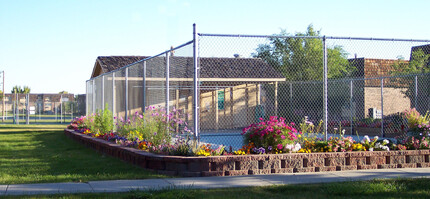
(42,153)
(399,188)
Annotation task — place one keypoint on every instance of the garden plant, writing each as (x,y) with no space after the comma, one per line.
(159,132)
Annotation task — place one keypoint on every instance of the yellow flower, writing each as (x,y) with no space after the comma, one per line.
(202,152)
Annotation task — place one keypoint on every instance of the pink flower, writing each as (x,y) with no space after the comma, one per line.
(283,137)
(280,146)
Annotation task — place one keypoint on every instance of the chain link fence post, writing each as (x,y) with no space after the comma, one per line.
(415,90)
(325,111)
(93,110)
(196,90)
(351,120)
(382,108)
(126,95)
(113,97)
(167,84)
(144,88)
(103,93)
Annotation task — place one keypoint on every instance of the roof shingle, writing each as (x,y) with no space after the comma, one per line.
(212,67)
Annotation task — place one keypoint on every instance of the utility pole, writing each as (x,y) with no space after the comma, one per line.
(4,104)
(61,108)
(3,100)
(16,107)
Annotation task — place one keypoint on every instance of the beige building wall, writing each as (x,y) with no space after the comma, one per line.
(239,107)
(394,100)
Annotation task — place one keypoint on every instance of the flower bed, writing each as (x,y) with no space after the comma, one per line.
(160,141)
(257,164)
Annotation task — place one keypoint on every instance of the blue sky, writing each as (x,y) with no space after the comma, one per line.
(51,45)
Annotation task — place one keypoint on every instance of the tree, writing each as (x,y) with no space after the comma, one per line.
(18,89)
(63,92)
(418,64)
(301,59)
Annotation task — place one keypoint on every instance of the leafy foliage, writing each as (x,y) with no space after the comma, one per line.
(19,89)
(301,59)
(419,63)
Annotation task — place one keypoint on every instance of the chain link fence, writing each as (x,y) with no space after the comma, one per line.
(226,82)
(161,81)
(370,82)
(36,108)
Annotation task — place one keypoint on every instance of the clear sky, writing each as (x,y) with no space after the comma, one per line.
(52,45)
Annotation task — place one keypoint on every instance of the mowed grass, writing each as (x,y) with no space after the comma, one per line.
(394,188)
(42,153)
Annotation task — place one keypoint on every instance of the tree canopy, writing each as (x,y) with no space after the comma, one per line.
(301,58)
(419,63)
(19,89)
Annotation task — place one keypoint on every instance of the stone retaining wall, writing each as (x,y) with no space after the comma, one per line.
(257,164)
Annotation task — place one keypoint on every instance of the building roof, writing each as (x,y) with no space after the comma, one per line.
(370,67)
(105,64)
(210,68)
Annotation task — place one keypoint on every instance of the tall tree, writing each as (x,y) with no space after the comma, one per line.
(16,89)
(419,63)
(301,59)
(19,89)
(26,90)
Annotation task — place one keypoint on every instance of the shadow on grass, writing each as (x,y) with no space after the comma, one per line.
(50,156)
(4,128)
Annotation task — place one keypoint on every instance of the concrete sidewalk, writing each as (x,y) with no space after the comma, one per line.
(211,182)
